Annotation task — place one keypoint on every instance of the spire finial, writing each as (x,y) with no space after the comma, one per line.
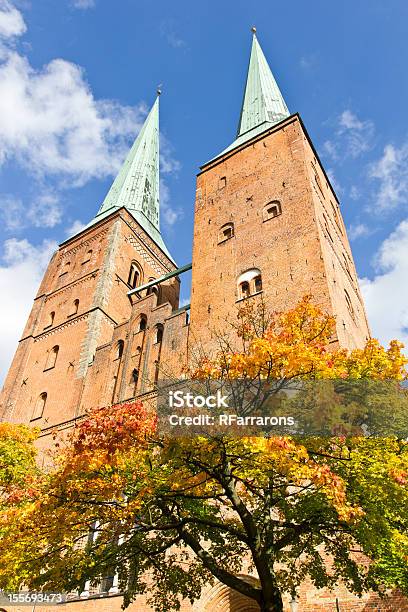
(253,30)
(159,90)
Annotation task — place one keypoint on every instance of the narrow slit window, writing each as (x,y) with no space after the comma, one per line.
(347,265)
(39,407)
(159,333)
(336,216)
(349,304)
(326,227)
(52,358)
(51,318)
(119,349)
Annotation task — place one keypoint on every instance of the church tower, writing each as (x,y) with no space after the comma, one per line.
(268,222)
(82,306)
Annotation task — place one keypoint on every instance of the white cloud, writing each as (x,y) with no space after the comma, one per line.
(307,62)
(83,4)
(11,21)
(74,228)
(44,211)
(12,213)
(334,182)
(386,295)
(21,270)
(52,124)
(349,121)
(355,192)
(170,214)
(358,230)
(168,31)
(331,149)
(168,163)
(391,173)
(358,134)
(353,137)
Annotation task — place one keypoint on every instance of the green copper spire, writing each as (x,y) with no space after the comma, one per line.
(136,187)
(263,104)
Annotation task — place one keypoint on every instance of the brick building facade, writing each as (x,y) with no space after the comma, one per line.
(106,321)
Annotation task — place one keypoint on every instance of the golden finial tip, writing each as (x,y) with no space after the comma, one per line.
(253,30)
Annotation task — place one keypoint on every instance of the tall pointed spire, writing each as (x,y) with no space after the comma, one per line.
(263,104)
(136,187)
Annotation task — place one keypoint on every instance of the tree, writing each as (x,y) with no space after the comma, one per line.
(17,461)
(170,515)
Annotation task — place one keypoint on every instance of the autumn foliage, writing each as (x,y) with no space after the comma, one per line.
(171,515)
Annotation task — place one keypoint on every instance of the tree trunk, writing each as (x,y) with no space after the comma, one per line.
(271,601)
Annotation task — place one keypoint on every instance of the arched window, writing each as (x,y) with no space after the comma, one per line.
(50,320)
(135,275)
(52,358)
(249,283)
(143,322)
(226,232)
(39,406)
(153,289)
(156,370)
(349,304)
(159,333)
(135,379)
(119,349)
(271,210)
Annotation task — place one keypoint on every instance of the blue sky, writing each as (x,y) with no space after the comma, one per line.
(77,78)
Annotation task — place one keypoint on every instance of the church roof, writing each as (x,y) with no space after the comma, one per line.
(263,104)
(136,187)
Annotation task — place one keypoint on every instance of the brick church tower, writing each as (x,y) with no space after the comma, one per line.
(87,343)
(267,221)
